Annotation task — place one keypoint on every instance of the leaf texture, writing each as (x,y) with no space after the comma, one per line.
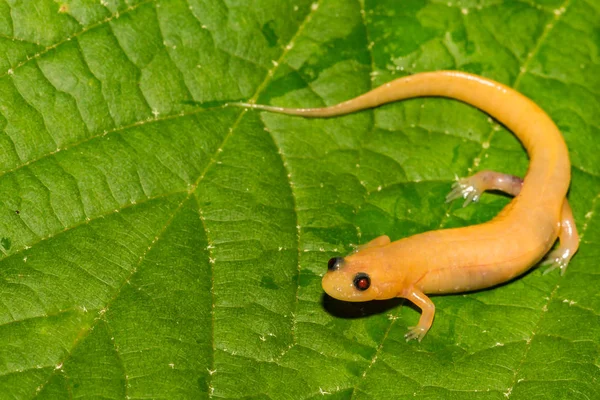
(156,244)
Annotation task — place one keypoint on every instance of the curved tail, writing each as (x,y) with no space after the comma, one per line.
(548,177)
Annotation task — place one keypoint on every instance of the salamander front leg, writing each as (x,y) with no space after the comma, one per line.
(378,241)
(472,187)
(569,242)
(427,312)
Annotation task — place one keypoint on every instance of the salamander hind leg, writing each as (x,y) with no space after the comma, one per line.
(568,242)
(472,187)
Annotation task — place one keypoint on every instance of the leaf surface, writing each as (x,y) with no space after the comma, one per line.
(156,244)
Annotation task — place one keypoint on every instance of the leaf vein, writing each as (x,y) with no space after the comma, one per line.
(75,35)
(134,270)
(84,222)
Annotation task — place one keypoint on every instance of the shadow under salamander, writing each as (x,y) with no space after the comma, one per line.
(350,310)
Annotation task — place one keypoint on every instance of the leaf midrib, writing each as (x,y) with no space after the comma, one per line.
(191,192)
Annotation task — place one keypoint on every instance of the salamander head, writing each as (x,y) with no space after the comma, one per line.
(361,276)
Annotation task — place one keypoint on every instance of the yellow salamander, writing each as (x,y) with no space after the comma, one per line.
(474,257)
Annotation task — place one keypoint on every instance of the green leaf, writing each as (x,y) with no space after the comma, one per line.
(158,245)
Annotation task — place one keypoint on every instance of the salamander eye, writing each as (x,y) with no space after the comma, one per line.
(335,263)
(362,281)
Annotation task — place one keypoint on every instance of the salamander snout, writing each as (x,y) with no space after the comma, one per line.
(335,263)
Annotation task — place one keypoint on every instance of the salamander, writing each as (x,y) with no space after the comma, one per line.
(474,257)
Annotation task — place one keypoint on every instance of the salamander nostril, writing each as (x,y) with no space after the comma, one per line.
(334,263)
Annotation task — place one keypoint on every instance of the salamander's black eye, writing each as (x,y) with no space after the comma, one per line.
(335,263)
(331,263)
(362,281)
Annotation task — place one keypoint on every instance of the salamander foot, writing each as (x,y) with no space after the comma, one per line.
(558,258)
(466,188)
(415,332)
